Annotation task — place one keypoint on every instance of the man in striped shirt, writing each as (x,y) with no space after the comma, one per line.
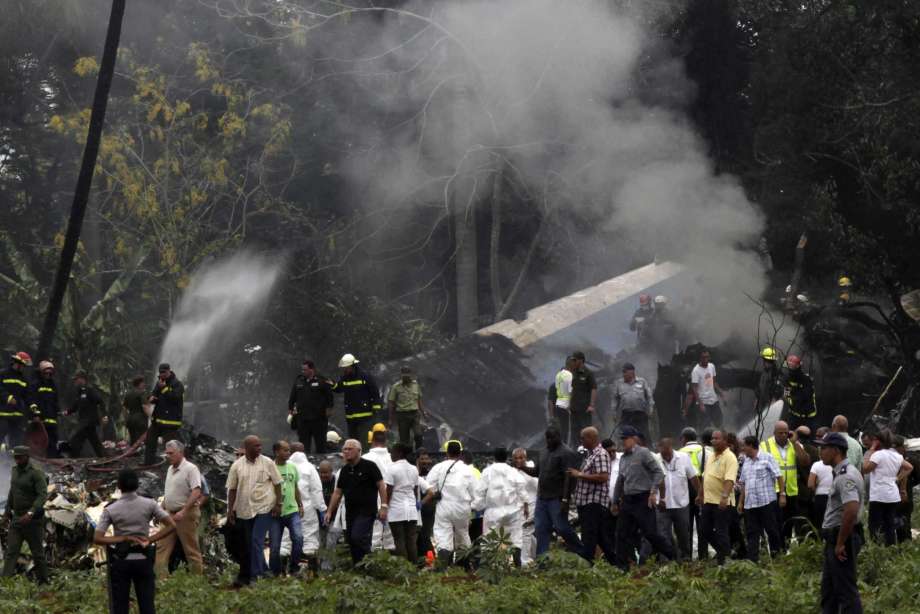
(759,476)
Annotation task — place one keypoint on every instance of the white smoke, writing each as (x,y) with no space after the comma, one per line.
(218,302)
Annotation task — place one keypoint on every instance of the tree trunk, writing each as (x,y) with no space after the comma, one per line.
(84,179)
(467,273)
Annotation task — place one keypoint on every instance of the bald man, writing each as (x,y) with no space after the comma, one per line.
(592,494)
(854,448)
(253,498)
(789,455)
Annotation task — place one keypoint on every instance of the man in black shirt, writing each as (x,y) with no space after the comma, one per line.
(360,482)
(310,403)
(90,410)
(553,490)
(135,418)
(584,396)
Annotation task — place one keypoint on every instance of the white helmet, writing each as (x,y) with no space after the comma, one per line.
(661,299)
(348,360)
(333,437)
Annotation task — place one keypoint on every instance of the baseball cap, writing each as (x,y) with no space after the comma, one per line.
(833,439)
(21,451)
(164,366)
(629,431)
(629,366)
(578,355)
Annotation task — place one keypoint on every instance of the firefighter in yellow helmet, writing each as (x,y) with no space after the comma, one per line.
(844,289)
(768,387)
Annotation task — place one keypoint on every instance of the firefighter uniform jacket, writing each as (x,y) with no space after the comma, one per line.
(167,402)
(14,393)
(799,394)
(362,397)
(311,397)
(43,400)
(88,406)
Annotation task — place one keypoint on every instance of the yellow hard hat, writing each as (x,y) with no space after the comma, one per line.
(450,441)
(768,353)
(845,282)
(377,428)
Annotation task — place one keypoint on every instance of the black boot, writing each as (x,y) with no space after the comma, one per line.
(445,558)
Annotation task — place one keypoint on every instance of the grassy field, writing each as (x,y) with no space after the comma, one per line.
(889,578)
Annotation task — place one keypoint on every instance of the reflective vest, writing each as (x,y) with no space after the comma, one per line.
(787,468)
(362,397)
(13,387)
(563,389)
(168,402)
(695,452)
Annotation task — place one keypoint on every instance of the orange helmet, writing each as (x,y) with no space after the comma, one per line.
(793,361)
(22,358)
(644,299)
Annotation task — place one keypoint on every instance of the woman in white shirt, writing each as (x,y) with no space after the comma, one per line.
(402,492)
(887,486)
(820,480)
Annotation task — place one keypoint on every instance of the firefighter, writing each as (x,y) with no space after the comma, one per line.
(799,408)
(45,405)
(844,288)
(167,399)
(642,318)
(768,387)
(14,393)
(362,397)
(90,409)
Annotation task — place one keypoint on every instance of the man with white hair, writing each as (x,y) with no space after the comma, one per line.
(452,486)
(311,496)
(500,492)
(528,539)
(180,499)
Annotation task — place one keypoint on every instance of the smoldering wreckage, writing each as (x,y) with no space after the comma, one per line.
(865,362)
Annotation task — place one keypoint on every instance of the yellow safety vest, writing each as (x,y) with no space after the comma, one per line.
(788,469)
(694,451)
(560,381)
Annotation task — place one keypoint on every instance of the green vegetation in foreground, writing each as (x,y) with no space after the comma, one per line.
(888,581)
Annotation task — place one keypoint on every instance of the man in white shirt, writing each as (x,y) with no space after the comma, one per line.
(452,484)
(528,540)
(674,503)
(380,456)
(403,493)
(705,410)
(500,492)
(180,499)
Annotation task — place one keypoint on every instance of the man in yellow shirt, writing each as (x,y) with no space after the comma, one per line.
(717,497)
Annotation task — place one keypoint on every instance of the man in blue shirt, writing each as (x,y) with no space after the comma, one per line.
(759,477)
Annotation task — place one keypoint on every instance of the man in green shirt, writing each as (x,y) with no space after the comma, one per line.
(405,402)
(291,512)
(25,511)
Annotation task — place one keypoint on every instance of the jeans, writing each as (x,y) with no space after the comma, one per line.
(261,525)
(882,521)
(757,521)
(677,519)
(359,530)
(124,573)
(405,537)
(715,524)
(839,592)
(636,521)
(593,533)
(291,522)
(548,517)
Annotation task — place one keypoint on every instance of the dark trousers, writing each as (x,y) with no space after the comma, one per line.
(702,548)
(638,420)
(138,572)
(818,506)
(31,534)
(86,432)
(405,537)
(610,529)
(313,432)
(882,517)
(151,444)
(839,592)
(410,428)
(358,428)
(52,431)
(548,517)
(715,524)
(905,512)
(788,519)
(636,521)
(14,430)
(564,421)
(242,546)
(424,535)
(592,521)
(137,426)
(757,521)
(358,533)
(676,522)
(580,420)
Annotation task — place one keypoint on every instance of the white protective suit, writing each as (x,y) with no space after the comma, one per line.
(500,492)
(529,547)
(311,495)
(456,483)
(382,539)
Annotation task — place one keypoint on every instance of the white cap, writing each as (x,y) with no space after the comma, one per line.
(661,299)
(290,417)
(333,437)
(348,360)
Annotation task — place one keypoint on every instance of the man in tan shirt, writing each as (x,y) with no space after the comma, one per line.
(182,492)
(253,498)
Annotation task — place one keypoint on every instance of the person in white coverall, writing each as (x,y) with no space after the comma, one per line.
(451,484)
(382,538)
(311,494)
(528,540)
(500,492)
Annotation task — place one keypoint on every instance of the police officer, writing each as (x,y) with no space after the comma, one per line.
(362,397)
(25,507)
(44,403)
(310,404)
(798,395)
(167,399)
(632,400)
(642,319)
(130,551)
(841,530)
(89,407)
(14,391)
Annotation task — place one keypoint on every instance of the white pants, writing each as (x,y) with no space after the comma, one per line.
(310,523)
(529,543)
(513,526)
(382,538)
(451,533)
